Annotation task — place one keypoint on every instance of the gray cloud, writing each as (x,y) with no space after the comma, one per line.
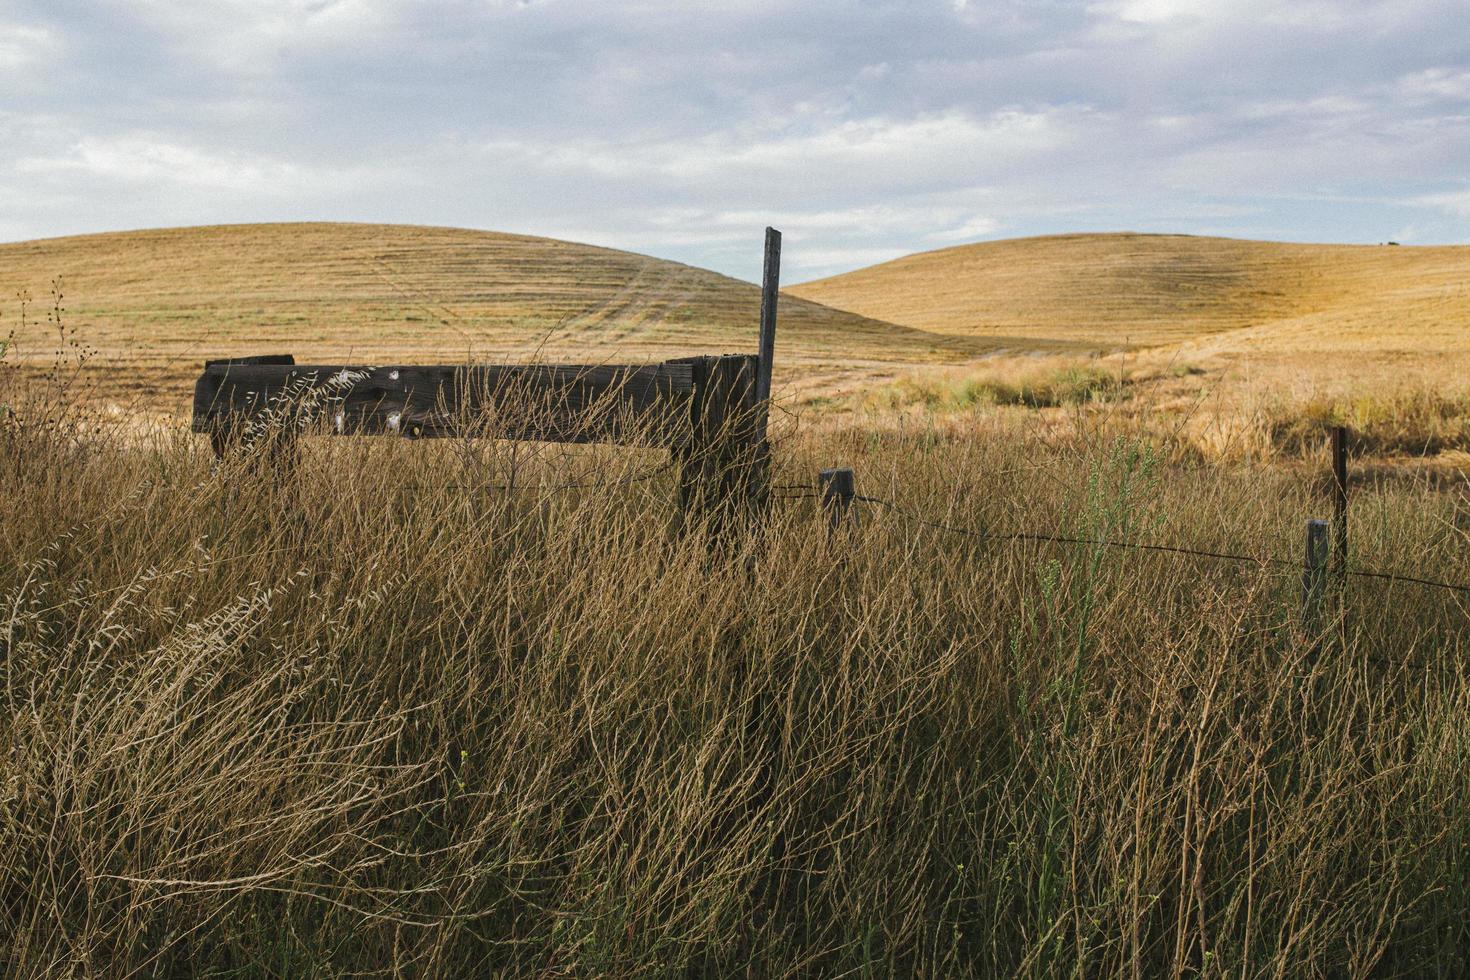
(864,128)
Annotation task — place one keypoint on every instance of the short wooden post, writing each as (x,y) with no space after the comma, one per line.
(1340,500)
(696,463)
(838,489)
(1340,526)
(1314,574)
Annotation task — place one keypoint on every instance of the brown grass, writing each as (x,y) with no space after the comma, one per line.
(361,720)
(1120,290)
(156,304)
(1001,322)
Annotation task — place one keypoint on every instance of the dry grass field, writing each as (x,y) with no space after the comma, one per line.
(1122,290)
(494,708)
(1242,347)
(156,304)
(363,718)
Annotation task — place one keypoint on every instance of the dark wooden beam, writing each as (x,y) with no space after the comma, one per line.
(553,403)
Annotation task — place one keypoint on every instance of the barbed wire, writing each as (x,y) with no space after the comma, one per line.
(1143,546)
(790,491)
(1062,539)
(1396,577)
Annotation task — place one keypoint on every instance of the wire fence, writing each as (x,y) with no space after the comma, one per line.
(795,492)
(893,508)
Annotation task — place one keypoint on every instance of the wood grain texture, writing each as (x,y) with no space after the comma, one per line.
(646,404)
(719,461)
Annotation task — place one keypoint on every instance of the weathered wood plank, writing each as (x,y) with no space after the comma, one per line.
(717,461)
(554,403)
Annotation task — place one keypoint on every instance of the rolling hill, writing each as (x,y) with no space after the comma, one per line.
(155,304)
(1127,290)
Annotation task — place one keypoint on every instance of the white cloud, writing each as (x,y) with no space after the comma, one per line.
(818,260)
(676,128)
(149,160)
(979,226)
(1318,108)
(25,48)
(1455,202)
(252,36)
(1437,83)
(1158,11)
(860,153)
(1315,15)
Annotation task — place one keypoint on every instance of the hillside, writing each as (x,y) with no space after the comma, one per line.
(157,303)
(1120,290)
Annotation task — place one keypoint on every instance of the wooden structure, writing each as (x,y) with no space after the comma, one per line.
(710,412)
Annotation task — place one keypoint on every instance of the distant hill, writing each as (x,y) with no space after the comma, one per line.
(160,302)
(1116,290)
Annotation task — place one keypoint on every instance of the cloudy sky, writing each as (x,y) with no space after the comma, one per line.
(865,129)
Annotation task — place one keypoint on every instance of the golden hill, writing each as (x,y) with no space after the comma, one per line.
(1122,290)
(156,304)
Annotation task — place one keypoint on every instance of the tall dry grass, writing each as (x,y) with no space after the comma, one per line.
(362,719)
(1188,413)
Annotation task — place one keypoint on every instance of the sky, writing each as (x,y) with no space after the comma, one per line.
(864,130)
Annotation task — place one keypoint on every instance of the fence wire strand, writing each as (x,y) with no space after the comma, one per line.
(1140,546)
(802,492)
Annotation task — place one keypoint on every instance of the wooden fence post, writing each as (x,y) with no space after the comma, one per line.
(770,294)
(1340,528)
(838,489)
(719,477)
(1314,574)
(282,447)
(1340,502)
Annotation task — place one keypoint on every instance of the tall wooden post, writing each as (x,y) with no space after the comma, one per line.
(1340,528)
(770,292)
